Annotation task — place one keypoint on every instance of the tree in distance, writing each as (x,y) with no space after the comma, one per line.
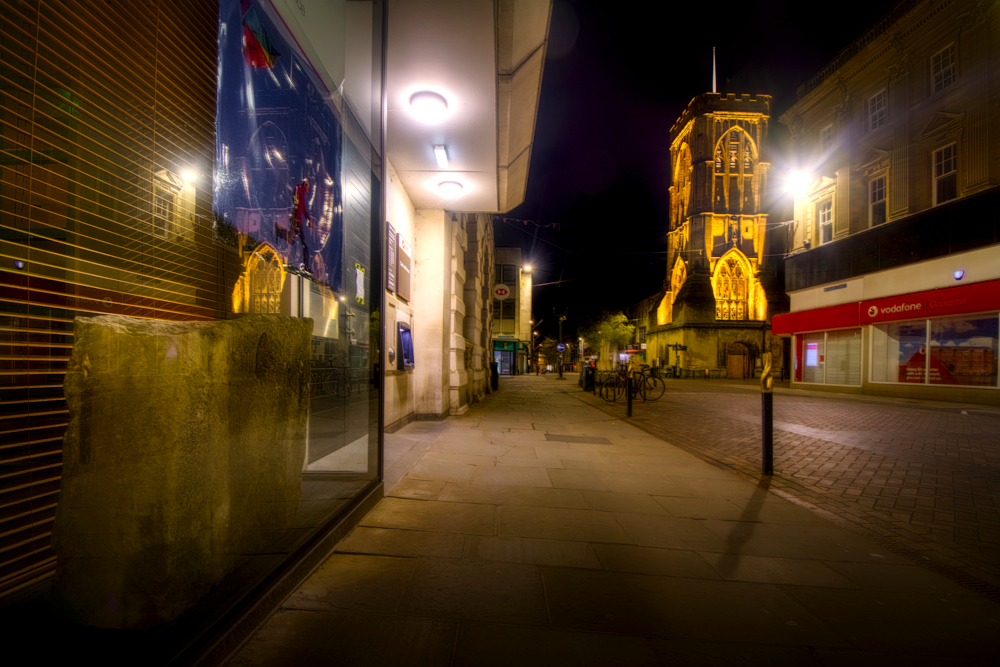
(611,331)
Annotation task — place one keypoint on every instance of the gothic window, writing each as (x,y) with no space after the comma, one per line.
(734,194)
(682,179)
(731,291)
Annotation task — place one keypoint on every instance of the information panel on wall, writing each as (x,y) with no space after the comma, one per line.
(403,274)
(390,258)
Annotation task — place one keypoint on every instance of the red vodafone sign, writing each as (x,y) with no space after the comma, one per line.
(951,301)
(501,292)
(966,299)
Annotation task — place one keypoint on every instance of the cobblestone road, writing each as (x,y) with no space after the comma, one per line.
(923,478)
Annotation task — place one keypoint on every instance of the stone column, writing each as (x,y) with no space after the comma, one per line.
(973,49)
(431,291)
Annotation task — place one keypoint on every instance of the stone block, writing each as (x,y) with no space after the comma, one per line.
(183,455)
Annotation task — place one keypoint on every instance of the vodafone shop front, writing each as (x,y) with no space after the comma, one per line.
(939,344)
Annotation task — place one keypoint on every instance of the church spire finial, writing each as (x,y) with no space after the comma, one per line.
(713,70)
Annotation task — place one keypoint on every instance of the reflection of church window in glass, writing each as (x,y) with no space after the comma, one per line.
(265,285)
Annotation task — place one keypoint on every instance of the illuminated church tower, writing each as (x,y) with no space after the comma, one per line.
(717,227)
(720,291)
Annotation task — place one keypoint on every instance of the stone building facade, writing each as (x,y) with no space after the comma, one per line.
(894,276)
(511,324)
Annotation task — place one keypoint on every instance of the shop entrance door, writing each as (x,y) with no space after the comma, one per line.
(505,360)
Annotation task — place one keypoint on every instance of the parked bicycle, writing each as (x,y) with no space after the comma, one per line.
(647,387)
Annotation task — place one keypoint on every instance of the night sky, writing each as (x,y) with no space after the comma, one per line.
(616,78)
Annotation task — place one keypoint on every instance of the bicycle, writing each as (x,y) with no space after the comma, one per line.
(647,387)
(652,386)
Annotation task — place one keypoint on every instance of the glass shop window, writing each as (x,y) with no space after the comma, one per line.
(963,351)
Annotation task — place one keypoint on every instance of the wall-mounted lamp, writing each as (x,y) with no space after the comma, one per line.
(797,182)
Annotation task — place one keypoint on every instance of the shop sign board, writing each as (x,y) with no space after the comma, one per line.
(960,300)
(818,319)
(501,292)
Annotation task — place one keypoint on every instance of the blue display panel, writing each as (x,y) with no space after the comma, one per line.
(279,142)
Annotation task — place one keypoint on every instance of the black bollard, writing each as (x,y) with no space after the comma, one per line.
(767,417)
(628,395)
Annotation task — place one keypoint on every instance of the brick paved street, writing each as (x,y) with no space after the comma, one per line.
(922,478)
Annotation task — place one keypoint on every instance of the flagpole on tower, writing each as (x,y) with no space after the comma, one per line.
(713,69)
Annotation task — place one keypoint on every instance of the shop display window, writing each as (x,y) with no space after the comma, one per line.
(963,351)
(900,352)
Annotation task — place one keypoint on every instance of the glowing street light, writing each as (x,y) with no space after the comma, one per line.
(797,182)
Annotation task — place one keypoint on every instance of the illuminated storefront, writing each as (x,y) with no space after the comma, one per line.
(940,344)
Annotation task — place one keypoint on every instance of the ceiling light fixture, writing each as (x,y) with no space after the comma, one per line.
(428,107)
(450,189)
(441,155)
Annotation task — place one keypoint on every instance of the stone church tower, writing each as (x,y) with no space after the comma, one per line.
(717,229)
(716,299)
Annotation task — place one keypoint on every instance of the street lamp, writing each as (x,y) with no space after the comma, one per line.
(562,318)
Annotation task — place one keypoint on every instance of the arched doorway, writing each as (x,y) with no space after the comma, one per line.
(738,361)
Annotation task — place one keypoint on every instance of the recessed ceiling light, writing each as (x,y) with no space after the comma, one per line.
(428,107)
(959,274)
(450,189)
(441,155)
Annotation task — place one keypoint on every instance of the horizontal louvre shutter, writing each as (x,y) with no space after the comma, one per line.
(103,106)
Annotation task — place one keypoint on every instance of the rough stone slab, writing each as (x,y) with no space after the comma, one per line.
(183,455)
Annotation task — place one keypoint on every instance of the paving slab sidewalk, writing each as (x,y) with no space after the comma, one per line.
(536,530)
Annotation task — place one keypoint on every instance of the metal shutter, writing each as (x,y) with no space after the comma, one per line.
(103,107)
